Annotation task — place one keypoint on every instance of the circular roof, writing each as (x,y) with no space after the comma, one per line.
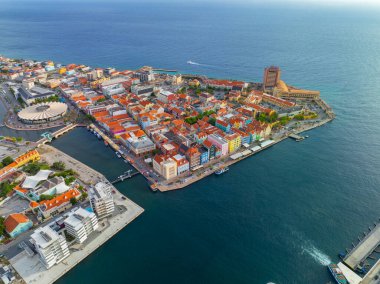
(42,111)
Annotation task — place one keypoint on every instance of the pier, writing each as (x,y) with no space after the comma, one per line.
(165,70)
(128,174)
(296,137)
(364,249)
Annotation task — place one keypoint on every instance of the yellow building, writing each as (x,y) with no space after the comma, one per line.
(284,91)
(30,156)
(234,142)
(62,70)
(165,167)
(19,162)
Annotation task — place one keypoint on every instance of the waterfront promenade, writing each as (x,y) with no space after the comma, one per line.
(32,270)
(202,173)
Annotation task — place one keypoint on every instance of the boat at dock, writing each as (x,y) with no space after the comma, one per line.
(337,274)
(106,143)
(118,154)
(221,171)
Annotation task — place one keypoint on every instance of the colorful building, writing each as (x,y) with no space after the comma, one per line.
(223,125)
(182,164)
(234,142)
(16,224)
(204,157)
(20,161)
(219,142)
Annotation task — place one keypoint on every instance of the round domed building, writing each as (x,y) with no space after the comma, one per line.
(42,112)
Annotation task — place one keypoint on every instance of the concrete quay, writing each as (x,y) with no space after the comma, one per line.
(196,177)
(33,271)
(86,174)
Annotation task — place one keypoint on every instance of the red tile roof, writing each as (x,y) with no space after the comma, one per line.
(13,220)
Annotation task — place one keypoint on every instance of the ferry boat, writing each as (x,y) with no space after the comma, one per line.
(118,154)
(337,274)
(221,171)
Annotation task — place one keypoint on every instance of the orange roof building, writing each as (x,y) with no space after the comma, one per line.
(17,223)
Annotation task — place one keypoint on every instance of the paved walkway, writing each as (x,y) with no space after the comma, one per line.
(86,174)
(33,271)
(202,173)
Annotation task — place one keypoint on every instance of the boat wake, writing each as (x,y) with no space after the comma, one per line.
(199,64)
(316,254)
(307,247)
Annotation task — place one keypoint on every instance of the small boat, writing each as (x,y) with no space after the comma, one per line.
(221,171)
(118,154)
(105,143)
(337,274)
(99,137)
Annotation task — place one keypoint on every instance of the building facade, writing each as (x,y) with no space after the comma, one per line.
(51,247)
(101,199)
(80,224)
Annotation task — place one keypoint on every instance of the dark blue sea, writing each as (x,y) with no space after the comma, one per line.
(279,216)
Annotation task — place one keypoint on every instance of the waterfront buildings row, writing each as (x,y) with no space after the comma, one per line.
(181,122)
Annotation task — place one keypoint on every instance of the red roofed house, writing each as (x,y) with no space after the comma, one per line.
(17,223)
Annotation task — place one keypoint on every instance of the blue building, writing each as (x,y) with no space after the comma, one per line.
(204,155)
(16,224)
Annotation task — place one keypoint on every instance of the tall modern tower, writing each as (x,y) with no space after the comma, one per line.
(272,76)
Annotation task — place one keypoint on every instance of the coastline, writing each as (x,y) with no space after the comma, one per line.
(207,173)
(32,270)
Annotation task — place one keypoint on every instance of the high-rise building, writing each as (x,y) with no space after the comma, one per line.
(272,76)
(51,246)
(101,199)
(80,224)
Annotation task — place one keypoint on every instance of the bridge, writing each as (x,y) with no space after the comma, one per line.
(128,174)
(48,136)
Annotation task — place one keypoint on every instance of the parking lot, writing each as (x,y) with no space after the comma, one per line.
(14,205)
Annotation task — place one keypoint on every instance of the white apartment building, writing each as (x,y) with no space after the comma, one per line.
(51,246)
(101,199)
(80,224)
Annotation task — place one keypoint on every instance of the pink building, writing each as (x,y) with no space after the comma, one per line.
(219,142)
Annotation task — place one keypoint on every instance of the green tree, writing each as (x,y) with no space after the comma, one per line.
(58,166)
(46,197)
(69,180)
(2,226)
(31,168)
(7,160)
(90,117)
(212,120)
(73,201)
(5,188)
(273,117)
